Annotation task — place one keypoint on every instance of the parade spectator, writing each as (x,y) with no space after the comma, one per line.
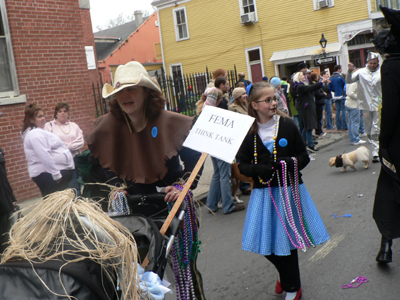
(242,76)
(265,78)
(282,102)
(50,162)
(337,86)
(328,102)
(319,103)
(273,146)
(369,94)
(238,105)
(353,114)
(69,132)
(307,107)
(302,68)
(217,73)
(240,84)
(387,198)
(293,110)
(222,84)
(220,186)
(141,145)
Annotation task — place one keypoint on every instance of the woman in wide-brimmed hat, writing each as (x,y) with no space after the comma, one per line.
(141,144)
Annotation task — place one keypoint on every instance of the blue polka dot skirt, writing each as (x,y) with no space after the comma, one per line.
(263,231)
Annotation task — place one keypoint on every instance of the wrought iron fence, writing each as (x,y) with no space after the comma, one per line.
(99,102)
(182,92)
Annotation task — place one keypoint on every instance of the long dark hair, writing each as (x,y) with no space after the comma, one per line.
(154,104)
(254,95)
(31,111)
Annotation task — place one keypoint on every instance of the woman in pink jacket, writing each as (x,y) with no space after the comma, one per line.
(69,132)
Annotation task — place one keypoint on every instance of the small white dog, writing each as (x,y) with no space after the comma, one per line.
(349,159)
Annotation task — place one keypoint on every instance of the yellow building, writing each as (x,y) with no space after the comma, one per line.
(264,37)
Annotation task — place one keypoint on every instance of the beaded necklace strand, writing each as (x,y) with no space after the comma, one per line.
(302,236)
(274,152)
(288,207)
(185,248)
(66,133)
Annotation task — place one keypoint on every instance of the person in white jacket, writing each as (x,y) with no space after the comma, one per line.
(369,94)
(69,132)
(50,163)
(353,113)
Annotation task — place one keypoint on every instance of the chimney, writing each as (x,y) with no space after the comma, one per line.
(138,17)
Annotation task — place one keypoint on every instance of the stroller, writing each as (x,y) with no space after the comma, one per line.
(84,279)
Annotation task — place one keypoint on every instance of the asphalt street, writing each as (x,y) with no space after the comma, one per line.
(231,273)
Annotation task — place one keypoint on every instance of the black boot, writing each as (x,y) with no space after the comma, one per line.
(385,253)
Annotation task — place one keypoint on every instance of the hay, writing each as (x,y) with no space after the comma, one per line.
(54,222)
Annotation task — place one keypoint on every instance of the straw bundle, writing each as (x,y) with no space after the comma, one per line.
(57,221)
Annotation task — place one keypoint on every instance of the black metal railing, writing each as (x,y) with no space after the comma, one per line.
(182,92)
(99,102)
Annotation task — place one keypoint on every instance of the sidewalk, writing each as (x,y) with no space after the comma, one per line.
(201,192)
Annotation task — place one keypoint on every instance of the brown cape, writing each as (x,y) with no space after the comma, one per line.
(138,156)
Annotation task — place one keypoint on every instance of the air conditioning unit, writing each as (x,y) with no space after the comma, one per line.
(323,3)
(248,18)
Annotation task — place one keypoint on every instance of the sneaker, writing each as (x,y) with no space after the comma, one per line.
(358,143)
(375,159)
(322,134)
(220,204)
(236,200)
(238,207)
(312,149)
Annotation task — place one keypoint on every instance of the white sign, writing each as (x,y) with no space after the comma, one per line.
(91,61)
(219,132)
(324,60)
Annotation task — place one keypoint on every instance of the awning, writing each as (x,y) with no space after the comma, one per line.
(301,54)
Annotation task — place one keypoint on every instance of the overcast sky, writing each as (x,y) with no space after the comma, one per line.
(103,10)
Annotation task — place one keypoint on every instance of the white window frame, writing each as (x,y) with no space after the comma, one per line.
(316,5)
(13,96)
(242,9)
(248,63)
(178,39)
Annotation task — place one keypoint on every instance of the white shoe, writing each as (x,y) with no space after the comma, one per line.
(220,204)
(359,142)
(236,200)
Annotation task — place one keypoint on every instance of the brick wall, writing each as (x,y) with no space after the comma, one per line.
(48,39)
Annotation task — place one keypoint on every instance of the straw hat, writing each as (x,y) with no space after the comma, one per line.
(130,74)
(237,92)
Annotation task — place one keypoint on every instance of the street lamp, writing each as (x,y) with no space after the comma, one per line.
(323,42)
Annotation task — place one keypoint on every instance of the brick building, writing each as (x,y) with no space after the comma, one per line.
(46,56)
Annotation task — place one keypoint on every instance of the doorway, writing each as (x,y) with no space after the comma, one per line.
(255,64)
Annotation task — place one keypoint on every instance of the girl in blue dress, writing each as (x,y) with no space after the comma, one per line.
(281,215)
